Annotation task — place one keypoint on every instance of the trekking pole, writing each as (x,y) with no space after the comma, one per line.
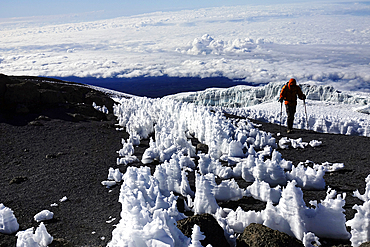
(305,110)
(281,113)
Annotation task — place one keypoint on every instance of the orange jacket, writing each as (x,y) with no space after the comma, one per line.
(290,91)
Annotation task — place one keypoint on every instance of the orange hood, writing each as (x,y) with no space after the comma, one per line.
(292,82)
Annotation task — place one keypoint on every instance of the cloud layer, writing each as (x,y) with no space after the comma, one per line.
(315,43)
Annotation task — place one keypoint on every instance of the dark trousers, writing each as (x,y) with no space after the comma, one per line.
(290,111)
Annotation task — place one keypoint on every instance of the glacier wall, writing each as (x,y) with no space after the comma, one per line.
(329,110)
(244,96)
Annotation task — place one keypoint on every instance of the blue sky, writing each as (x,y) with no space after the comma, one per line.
(114,8)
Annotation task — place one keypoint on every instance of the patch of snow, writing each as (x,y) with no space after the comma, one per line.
(43,215)
(8,222)
(27,238)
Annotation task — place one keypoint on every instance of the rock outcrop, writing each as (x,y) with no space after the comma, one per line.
(22,95)
(257,235)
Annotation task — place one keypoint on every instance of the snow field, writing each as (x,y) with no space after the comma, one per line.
(149,209)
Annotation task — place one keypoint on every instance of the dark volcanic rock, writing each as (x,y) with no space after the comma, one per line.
(202,147)
(18,180)
(23,95)
(208,225)
(51,97)
(3,81)
(256,235)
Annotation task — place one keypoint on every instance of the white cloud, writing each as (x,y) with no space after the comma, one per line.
(318,43)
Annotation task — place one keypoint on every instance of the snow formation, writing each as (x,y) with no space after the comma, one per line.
(8,222)
(31,238)
(148,202)
(43,215)
(360,223)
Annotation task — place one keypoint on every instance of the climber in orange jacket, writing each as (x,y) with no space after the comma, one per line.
(289,94)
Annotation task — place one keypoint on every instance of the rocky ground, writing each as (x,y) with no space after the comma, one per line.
(54,149)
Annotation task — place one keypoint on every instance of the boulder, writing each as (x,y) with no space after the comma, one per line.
(202,148)
(208,225)
(257,235)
